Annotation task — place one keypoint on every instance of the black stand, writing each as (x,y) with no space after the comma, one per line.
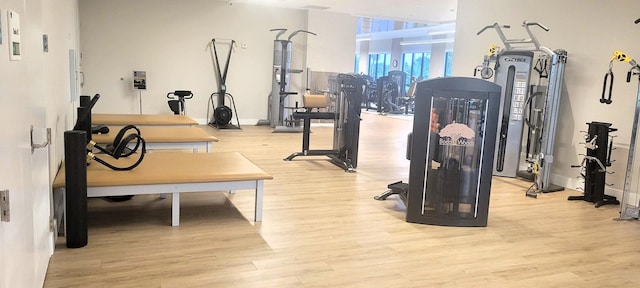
(595,163)
(75,153)
(334,155)
(346,125)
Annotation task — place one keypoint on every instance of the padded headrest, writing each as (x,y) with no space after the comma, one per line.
(412,90)
(315,101)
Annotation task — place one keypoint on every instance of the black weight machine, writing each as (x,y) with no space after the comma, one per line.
(346,127)
(390,91)
(451,150)
(222,114)
(370,94)
(176,101)
(593,168)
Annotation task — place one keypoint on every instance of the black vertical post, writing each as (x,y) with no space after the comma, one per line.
(85,123)
(85,101)
(76,188)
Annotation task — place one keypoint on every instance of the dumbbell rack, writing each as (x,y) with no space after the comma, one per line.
(594,164)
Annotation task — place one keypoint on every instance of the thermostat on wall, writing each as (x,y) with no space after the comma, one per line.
(14,36)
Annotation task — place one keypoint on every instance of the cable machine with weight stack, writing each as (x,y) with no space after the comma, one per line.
(523,102)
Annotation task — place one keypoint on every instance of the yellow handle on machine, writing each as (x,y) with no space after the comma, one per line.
(620,56)
(493,49)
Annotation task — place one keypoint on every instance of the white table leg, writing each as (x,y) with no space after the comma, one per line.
(175,209)
(209,147)
(259,192)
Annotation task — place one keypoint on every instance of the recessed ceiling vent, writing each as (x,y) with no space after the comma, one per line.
(314,7)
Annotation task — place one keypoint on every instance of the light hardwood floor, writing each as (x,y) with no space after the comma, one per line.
(322,228)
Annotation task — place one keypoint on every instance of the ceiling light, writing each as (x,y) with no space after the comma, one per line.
(442,32)
(424,42)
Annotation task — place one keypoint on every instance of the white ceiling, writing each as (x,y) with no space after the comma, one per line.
(420,11)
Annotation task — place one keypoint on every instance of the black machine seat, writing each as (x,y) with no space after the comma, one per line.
(176,102)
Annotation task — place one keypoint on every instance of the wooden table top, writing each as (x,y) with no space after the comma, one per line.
(144,119)
(160,134)
(171,167)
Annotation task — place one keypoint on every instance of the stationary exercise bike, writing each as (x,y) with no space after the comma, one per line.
(176,101)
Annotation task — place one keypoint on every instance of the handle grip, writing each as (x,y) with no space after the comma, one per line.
(604,88)
(495,25)
(527,23)
(608,161)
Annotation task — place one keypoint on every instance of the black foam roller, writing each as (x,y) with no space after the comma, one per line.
(75,155)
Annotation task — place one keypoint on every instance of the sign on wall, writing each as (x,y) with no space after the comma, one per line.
(140,80)
(15,52)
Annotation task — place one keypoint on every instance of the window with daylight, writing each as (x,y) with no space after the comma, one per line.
(448,60)
(416,65)
(379,65)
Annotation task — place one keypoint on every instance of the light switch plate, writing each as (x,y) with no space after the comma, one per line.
(5,215)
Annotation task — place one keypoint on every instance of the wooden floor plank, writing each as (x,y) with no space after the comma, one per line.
(322,228)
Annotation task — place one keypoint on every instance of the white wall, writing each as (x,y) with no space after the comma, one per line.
(333,50)
(31,92)
(589,31)
(61,24)
(169,39)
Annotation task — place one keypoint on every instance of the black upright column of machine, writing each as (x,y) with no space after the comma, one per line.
(76,188)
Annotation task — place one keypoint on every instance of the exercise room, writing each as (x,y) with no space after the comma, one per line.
(255,143)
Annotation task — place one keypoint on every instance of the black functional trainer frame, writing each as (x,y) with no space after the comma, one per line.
(454,134)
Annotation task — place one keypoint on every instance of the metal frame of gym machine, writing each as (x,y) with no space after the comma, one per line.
(222,114)
(543,160)
(346,127)
(627,211)
(278,113)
